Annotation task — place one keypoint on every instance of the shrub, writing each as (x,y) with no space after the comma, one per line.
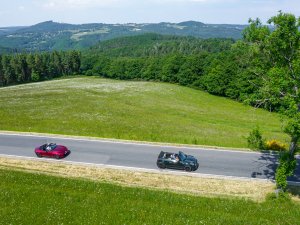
(275,145)
(279,196)
(287,165)
(255,140)
(89,73)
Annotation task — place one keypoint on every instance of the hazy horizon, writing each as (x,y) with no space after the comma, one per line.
(30,12)
(115,23)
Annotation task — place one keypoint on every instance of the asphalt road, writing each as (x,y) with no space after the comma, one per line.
(215,162)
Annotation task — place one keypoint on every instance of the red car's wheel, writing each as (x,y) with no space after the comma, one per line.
(57,157)
(38,155)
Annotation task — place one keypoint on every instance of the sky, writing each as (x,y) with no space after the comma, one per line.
(29,12)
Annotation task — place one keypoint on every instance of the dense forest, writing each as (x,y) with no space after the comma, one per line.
(21,68)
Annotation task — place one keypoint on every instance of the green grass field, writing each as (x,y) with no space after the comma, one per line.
(30,198)
(145,111)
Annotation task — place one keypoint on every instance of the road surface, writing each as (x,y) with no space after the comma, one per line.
(214,162)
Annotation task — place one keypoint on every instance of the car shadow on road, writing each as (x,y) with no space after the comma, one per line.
(265,166)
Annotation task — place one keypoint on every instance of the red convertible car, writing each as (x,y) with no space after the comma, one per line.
(52,150)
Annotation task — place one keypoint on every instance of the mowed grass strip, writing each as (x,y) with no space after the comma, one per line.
(132,110)
(31,198)
(255,190)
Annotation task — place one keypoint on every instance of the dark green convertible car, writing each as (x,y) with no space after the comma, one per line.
(178,161)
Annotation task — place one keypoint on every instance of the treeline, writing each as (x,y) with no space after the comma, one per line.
(27,67)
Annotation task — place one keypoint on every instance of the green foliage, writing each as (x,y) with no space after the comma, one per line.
(279,49)
(287,165)
(279,197)
(256,32)
(255,139)
(150,45)
(35,76)
(89,73)
(22,68)
(292,127)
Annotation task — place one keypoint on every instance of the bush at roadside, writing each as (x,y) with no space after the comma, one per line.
(255,139)
(275,145)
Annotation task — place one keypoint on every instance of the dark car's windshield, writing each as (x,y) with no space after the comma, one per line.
(182,156)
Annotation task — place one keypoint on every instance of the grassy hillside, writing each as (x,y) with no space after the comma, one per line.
(40,199)
(132,110)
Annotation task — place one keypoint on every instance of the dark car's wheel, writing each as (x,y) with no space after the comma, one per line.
(188,169)
(161,166)
(38,155)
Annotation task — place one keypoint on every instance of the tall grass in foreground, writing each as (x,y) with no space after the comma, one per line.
(40,199)
(133,110)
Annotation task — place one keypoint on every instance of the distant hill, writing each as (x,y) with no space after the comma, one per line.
(9,30)
(50,35)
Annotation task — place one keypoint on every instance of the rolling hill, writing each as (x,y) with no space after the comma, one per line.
(50,35)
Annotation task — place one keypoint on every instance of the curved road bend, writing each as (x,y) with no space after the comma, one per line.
(215,162)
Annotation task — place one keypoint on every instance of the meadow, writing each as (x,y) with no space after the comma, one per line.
(132,110)
(32,198)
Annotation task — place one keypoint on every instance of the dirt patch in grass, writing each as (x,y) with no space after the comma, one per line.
(250,189)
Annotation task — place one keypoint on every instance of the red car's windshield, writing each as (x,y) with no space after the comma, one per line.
(49,147)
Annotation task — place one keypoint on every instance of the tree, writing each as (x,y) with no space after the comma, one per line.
(192,69)
(152,69)
(281,81)
(8,72)
(38,66)
(171,68)
(74,58)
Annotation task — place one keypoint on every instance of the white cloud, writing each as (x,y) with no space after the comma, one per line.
(21,8)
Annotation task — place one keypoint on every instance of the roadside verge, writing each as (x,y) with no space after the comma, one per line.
(253,189)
